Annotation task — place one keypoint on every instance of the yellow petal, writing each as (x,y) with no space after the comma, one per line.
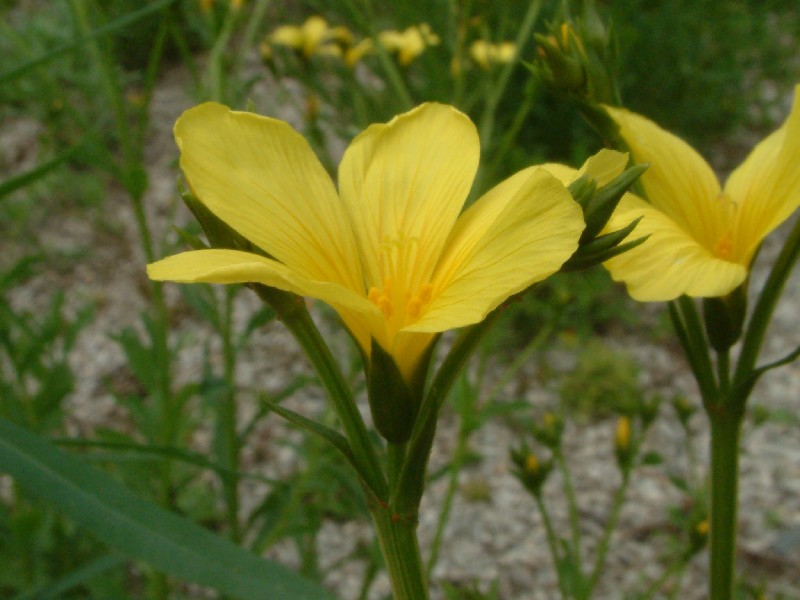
(287,35)
(678,182)
(518,233)
(604,166)
(765,189)
(480,53)
(390,39)
(404,183)
(261,177)
(314,31)
(235,266)
(407,349)
(563,173)
(670,262)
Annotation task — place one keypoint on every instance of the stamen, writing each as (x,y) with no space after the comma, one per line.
(414,308)
(724,246)
(425,293)
(385,304)
(373,295)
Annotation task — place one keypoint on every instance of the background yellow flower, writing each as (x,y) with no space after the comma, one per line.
(702,236)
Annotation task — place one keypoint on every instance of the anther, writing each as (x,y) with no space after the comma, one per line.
(414,307)
(425,293)
(724,246)
(385,304)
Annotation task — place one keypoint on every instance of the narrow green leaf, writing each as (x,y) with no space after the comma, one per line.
(746,384)
(334,438)
(119,451)
(87,572)
(140,529)
(19,181)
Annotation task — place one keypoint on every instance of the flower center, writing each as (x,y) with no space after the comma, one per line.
(723,246)
(399,298)
(410,305)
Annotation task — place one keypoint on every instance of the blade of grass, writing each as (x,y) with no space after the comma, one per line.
(19,181)
(54,590)
(140,529)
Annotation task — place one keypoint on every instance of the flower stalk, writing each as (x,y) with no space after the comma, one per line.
(726,425)
(397,536)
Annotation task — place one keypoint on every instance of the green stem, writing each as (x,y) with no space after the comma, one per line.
(495,94)
(255,22)
(216,60)
(227,416)
(605,543)
(291,310)
(460,9)
(552,543)
(726,427)
(689,329)
(397,535)
(499,88)
(724,373)
(572,503)
(765,306)
(457,463)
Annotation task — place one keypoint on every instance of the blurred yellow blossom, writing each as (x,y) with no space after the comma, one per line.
(356,52)
(410,43)
(701,236)
(486,54)
(313,37)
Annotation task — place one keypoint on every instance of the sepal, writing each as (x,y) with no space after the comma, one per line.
(724,318)
(604,201)
(603,248)
(393,404)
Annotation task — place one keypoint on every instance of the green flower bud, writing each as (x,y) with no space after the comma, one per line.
(622,442)
(530,470)
(683,409)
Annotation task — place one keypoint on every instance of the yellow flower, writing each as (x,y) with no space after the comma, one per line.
(356,52)
(312,37)
(486,54)
(622,435)
(408,44)
(702,236)
(531,464)
(389,252)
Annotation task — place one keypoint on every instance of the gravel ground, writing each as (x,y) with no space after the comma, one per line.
(494,535)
